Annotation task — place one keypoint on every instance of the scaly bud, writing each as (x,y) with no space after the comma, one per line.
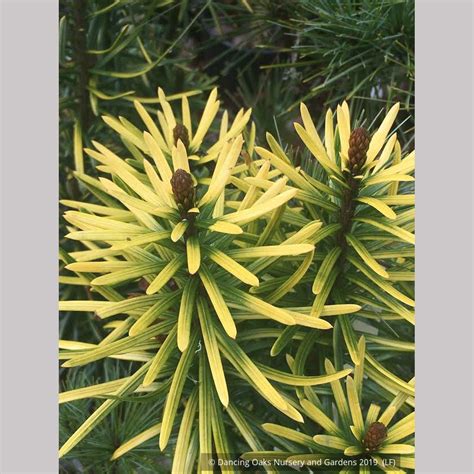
(180,132)
(358,145)
(375,436)
(183,189)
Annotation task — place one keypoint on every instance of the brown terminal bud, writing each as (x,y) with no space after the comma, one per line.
(183,189)
(358,145)
(180,132)
(375,436)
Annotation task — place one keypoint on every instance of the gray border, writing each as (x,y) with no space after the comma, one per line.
(444,207)
(444,127)
(29,190)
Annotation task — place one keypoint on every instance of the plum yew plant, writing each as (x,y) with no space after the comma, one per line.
(345,429)
(214,264)
(366,243)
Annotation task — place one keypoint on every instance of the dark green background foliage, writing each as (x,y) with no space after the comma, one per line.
(269,57)
(94,454)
